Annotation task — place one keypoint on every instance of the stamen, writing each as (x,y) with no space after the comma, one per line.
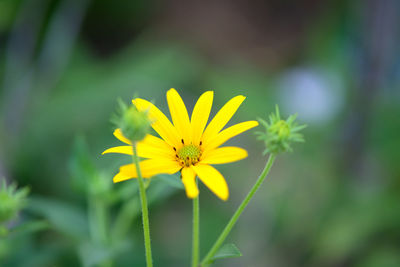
(183,142)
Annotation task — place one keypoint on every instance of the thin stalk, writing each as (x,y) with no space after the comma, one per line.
(98,221)
(196,233)
(207,259)
(145,211)
(102,219)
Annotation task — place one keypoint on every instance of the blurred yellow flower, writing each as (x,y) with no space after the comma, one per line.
(187,145)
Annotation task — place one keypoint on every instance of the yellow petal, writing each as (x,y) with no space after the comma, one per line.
(200,115)
(213,180)
(188,180)
(148,167)
(149,147)
(179,115)
(154,147)
(228,133)
(120,150)
(223,155)
(161,123)
(118,133)
(222,117)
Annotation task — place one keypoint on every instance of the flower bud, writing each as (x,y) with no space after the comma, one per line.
(11,201)
(134,124)
(280,134)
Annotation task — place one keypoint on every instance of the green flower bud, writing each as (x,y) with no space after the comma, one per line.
(11,201)
(281,128)
(134,124)
(280,134)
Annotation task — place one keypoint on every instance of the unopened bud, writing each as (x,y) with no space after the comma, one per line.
(134,124)
(280,134)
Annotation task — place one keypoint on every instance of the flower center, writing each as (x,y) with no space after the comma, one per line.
(188,155)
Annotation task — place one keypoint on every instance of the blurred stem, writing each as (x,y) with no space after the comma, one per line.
(147,183)
(208,258)
(98,220)
(196,231)
(145,211)
(125,217)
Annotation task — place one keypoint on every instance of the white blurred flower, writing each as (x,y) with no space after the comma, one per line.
(315,94)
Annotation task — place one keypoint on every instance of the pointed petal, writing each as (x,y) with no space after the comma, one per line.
(154,147)
(149,147)
(222,117)
(161,123)
(223,155)
(228,133)
(179,115)
(189,181)
(118,133)
(148,167)
(213,180)
(120,150)
(200,115)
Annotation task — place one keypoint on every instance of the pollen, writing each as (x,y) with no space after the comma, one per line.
(189,155)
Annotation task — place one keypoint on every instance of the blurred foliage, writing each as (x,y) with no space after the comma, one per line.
(330,203)
(12,200)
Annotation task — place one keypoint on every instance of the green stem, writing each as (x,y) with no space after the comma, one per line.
(196,232)
(97,219)
(145,211)
(207,259)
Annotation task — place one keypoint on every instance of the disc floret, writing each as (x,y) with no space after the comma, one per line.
(189,155)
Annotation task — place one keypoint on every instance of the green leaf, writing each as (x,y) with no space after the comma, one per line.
(171,180)
(80,165)
(227,251)
(92,254)
(29,227)
(62,216)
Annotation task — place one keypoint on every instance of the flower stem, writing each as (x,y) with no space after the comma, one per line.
(196,231)
(145,211)
(98,221)
(207,259)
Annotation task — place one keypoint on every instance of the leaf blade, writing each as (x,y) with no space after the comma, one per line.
(227,251)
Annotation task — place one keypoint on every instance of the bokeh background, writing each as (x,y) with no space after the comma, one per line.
(334,201)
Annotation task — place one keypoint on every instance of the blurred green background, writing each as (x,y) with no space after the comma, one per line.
(333,202)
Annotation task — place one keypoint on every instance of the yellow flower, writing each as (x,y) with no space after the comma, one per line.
(186,145)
